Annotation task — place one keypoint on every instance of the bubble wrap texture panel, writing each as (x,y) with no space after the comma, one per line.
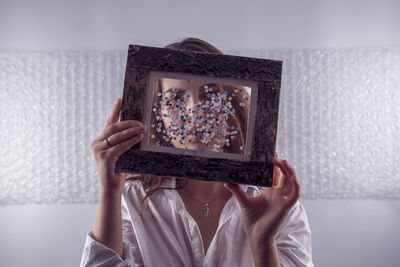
(338,126)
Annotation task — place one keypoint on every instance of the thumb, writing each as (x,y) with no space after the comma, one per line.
(238,192)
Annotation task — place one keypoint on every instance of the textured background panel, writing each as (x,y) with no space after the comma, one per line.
(338,126)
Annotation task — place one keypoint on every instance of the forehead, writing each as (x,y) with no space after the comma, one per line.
(167,83)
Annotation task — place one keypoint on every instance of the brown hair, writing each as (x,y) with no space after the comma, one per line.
(152,183)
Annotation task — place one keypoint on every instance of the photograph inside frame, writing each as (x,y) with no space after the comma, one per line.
(198,115)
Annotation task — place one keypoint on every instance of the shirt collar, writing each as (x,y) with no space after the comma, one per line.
(230,208)
(251,190)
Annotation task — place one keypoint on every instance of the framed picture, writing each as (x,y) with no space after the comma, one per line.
(208,116)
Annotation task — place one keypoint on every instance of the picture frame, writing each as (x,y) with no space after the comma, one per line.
(148,69)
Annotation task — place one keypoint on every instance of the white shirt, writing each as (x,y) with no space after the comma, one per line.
(174,239)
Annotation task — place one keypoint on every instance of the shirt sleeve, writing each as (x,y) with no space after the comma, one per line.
(294,239)
(97,254)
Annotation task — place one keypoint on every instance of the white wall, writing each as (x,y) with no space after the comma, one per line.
(345,232)
(229,24)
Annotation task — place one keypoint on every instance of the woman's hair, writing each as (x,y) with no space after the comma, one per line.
(152,183)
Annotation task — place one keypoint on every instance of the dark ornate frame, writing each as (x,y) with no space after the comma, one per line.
(267,73)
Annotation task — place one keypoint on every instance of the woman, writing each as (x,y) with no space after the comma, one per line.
(192,222)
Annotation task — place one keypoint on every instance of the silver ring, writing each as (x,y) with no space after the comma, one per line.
(108,143)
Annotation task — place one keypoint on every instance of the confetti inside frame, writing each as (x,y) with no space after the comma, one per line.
(257,168)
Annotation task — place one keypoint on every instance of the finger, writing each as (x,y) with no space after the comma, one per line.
(292,192)
(118,127)
(114,113)
(296,190)
(121,136)
(238,192)
(277,174)
(285,167)
(120,148)
(277,179)
(291,186)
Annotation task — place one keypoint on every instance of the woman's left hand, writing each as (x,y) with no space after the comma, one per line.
(264,214)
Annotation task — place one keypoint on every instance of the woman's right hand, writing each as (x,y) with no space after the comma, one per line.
(122,135)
